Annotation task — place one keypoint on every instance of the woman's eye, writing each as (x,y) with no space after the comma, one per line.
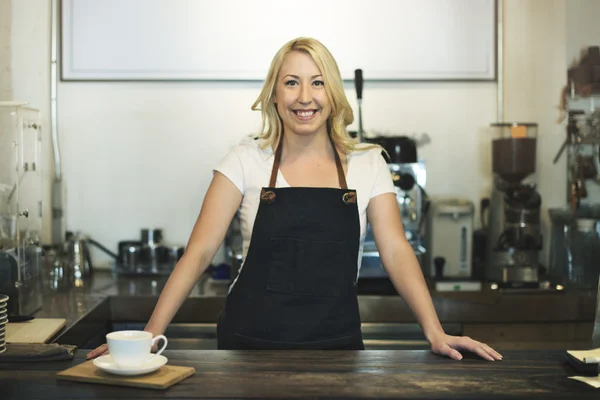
(291,83)
(319,83)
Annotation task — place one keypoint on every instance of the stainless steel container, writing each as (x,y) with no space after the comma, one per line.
(451,237)
(133,257)
(79,258)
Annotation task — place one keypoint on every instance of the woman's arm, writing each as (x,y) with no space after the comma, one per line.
(220,204)
(402,266)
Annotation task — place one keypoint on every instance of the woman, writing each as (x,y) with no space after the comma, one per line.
(305,190)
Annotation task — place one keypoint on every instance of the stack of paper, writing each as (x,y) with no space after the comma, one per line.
(586,356)
(593,381)
(588,364)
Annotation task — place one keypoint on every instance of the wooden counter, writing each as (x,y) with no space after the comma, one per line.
(323,375)
(504,319)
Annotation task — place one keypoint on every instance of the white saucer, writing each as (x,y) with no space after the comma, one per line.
(105,363)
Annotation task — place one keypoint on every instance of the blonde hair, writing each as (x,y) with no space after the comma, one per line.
(341,112)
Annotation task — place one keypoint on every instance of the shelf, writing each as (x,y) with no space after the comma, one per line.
(590,140)
(587,104)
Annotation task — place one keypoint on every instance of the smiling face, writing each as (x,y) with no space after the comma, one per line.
(300,96)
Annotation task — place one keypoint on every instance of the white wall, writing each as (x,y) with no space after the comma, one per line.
(584,27)
(140,154)
(5,50)
(30,65)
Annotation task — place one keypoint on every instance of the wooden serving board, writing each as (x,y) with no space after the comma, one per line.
(37,330)
(165,377)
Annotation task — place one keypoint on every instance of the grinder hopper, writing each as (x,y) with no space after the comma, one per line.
(514,150)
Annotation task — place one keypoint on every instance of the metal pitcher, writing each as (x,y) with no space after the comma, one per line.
(78,256)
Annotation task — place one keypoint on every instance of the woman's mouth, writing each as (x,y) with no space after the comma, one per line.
(305,115)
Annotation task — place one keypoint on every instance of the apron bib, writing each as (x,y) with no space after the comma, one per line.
(297,287)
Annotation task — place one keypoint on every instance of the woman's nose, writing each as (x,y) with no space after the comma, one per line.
(305,95)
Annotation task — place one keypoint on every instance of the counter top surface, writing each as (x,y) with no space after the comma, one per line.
(321,374)
(486,306)
(75,302)
(341,374)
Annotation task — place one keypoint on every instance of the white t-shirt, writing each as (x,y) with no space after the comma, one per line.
(249,168)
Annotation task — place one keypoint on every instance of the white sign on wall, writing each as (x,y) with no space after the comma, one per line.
(237,39)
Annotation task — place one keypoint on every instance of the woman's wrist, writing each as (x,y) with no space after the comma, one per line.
(155,332)
(434,333)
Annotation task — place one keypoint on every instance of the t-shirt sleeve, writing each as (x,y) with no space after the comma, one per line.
(231,167)
(382,182)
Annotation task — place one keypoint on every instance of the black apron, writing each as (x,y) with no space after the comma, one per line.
(297,287)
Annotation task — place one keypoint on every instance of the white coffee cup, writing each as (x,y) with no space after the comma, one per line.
(132,349)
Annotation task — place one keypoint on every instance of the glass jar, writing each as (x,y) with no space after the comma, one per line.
(582,266)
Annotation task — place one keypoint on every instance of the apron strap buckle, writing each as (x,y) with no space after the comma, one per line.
(349,197)
(267,196)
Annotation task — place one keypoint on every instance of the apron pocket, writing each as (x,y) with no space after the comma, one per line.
(309,267)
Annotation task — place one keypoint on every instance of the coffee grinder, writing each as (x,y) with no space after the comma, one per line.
(514,238)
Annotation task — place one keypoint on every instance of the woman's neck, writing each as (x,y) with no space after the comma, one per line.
(317,145)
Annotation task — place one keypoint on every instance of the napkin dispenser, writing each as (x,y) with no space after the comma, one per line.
(585,362)
(22,282)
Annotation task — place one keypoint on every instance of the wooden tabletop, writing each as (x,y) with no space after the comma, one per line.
(323,375)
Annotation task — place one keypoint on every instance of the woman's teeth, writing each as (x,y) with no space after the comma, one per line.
(304,114)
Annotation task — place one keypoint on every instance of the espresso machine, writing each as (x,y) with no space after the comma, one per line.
(514,236)
(409,177)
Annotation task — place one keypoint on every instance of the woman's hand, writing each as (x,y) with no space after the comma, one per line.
(446,345)
(97,352)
